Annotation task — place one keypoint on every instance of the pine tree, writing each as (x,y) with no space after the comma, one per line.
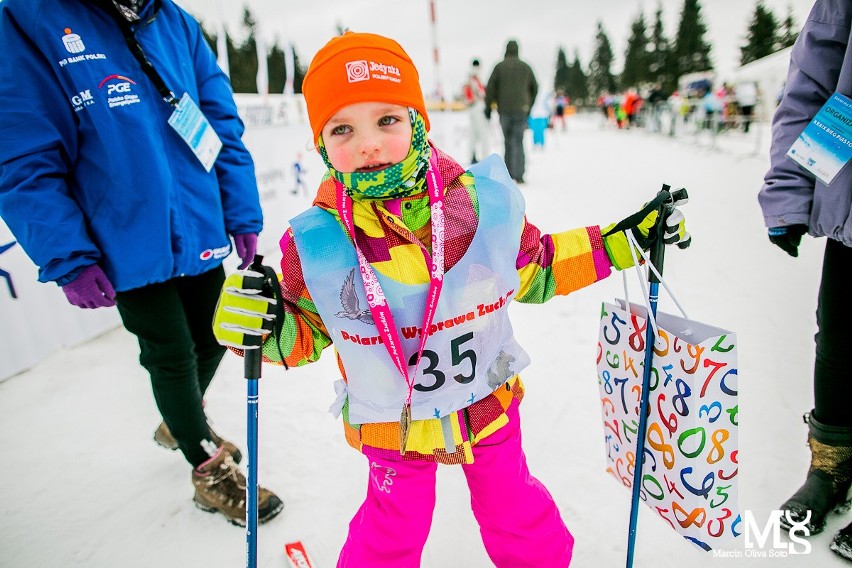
(691,51)
(562,77)
(660,55)
(277,69)
(299,75)
(578,89)
(637,59)
(600,74)
(243,58)
(789,30)
(761,35)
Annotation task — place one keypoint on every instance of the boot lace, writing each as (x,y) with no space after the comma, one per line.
(228,481)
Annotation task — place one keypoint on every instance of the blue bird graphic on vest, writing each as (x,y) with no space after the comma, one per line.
(351,305)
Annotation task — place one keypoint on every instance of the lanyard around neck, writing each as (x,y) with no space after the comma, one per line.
(376,301)
(133,45)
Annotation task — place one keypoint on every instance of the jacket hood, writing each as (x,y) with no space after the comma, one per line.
(512,48)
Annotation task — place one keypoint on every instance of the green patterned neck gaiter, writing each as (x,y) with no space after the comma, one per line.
(405,178)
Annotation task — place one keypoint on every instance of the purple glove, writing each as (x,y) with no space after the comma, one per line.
(246,248)
(91,289)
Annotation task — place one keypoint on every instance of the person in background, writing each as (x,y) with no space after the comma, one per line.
(118,207)
(560,107)
(795,203)
(631,102)
(711,109)
(473,94)
(746,94)
(540,116)
(511,89)
(425,382)
(656,100)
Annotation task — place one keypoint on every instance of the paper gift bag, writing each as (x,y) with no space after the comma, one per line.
(689,476)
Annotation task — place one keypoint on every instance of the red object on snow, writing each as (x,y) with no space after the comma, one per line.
(297,555)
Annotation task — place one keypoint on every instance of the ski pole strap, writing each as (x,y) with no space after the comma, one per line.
(633,220)
(271,289)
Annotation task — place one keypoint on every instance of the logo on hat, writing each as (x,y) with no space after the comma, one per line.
(357,71)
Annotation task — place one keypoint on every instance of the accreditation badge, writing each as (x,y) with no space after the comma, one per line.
(191,125)
(825,145)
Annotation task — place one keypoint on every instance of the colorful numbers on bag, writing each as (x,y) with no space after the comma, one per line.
(690,469)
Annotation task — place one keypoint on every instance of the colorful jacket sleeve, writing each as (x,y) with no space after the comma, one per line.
(304,335)
(560,263)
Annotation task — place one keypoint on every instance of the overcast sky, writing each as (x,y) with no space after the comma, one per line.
(480,28)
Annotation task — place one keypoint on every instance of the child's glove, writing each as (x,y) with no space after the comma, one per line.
(788,238)
(644,231)
(244,316)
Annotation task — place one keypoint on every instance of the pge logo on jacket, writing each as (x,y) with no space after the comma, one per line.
(119,90)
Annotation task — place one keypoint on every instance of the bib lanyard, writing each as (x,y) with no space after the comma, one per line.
(376,301)
(136,49)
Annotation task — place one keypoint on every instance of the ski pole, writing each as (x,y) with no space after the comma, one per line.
(252,364)
(657,256)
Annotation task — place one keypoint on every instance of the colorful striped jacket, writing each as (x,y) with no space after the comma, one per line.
(390,233)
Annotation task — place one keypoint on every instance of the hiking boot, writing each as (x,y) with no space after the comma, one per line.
(842,543)
(163,437)
(221,487)
(826,487)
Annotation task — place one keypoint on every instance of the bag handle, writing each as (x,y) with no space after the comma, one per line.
(634,246)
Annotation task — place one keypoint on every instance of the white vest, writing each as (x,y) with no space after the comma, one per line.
(470,351)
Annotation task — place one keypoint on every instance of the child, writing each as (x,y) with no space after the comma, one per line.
(417,309)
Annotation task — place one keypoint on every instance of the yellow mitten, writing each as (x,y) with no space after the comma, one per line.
(644,231)
(243,315)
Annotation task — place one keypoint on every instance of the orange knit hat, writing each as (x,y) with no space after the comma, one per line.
(356,68)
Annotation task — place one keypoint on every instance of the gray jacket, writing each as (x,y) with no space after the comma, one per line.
(512,85)
(820,64)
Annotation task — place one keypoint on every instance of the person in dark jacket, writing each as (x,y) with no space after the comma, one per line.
(125,183)
(512,88)
(795,203)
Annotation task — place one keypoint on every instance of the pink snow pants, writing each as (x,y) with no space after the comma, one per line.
(518,520)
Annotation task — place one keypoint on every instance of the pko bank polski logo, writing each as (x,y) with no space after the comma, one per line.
(757,544)
(362,70)
(72,42)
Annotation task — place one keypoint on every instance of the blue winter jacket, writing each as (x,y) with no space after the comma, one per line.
(90,170)
(820,64)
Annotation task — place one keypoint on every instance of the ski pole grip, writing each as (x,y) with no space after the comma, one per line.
(664,197)
(252,357)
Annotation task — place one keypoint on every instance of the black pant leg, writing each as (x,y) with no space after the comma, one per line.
(156,316)
(832,380)
(199,296)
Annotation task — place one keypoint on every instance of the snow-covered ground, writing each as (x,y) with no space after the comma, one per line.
(85,486)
